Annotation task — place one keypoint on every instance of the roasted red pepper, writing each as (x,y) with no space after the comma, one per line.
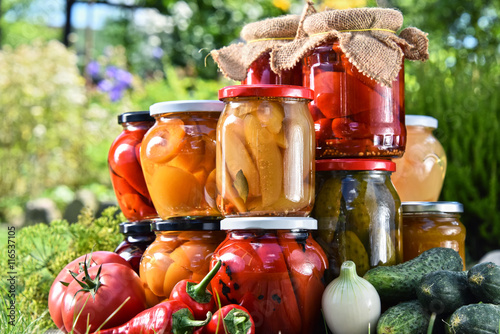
(126,172)
(306,263)
(195,295)
(230,319)
(254,275)
(168,317)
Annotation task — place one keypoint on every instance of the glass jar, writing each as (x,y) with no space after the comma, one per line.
(182,249)
(265,151)
(274,268)
(260,73)
(359,214)
(137,237)
(432,224)
(125,167)
(178,158)
(354,116)
(420,172)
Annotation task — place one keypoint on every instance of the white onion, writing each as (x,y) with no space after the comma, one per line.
(351,305)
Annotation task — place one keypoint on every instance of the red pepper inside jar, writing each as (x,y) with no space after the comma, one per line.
(273,268)
(125,167)
(354,116)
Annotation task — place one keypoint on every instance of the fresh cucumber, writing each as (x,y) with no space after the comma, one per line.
(443,291)
(398,283)
(476,318)
(484,282)
(404,318)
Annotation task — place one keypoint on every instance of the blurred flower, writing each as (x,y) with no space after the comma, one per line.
(157,52)
(282,4)
(93,69)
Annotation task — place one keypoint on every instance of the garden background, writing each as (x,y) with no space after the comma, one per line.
(62,87)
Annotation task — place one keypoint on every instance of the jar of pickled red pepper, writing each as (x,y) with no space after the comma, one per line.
(265,151)
(420,172)
(274,268)
(359,214)
(137,237)
(432,224)
(182,249)
(260,72)
(125,167)
(178,158)
(354,116)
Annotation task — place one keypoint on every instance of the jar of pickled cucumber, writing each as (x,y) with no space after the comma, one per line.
(359,214)
(125,167)
(178,158)
(273,267)
(137,237)
(265,151)
(354,116)
(432,224)
(420,172)
(182,249)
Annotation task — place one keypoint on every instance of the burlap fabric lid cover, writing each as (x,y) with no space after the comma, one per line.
(367,36)
(260,37)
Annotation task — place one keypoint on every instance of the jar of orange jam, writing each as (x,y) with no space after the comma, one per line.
(432,224)
(178,158)
(420,172)
(182,249)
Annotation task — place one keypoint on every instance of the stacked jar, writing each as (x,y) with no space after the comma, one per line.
(265,183)
(178,160)
(130,187)
(358,113)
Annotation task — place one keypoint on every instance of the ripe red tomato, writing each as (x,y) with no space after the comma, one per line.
(116,283)
(57,290)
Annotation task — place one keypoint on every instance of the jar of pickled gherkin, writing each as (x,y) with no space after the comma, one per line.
(359,214)
(432,224)
(182,249)
(125,167)
(178,158)
(274,268)
(137,237)
(265,151)
(420,172)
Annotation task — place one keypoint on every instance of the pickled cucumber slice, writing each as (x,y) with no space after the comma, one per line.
(271,115)
(238,158)
(351,248)
(267,156)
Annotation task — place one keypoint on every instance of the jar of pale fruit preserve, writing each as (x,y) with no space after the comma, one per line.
(274,268)
(178,158)
(354,116)
(432,224)
(265,151)
(359,214)
(420,172)
(125,167)
(137,237)
(182,249)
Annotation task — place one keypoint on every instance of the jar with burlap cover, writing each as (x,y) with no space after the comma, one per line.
(367,36)
(260,38)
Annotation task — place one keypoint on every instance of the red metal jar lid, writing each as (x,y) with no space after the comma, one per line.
(266,91)
(355,164)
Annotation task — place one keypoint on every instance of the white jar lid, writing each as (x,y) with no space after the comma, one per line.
(421,120)
(269,223)
(186,106)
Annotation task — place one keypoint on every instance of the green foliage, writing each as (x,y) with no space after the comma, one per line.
(42,251)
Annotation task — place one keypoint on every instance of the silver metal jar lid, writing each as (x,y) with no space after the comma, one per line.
(186,106)
(446,207)
(269,223)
